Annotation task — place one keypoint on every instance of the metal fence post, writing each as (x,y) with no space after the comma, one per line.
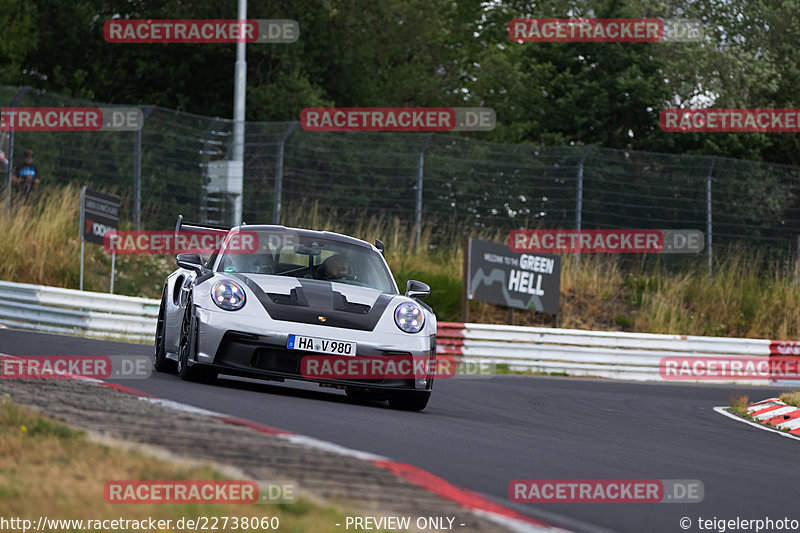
(137,172)
(276,206)
(10,160)
(579,199)
(708,212)
(137,180)
(797,261)
(418,207)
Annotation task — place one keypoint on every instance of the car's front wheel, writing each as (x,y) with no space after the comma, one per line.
(160,361)
(410,400)
(187,347)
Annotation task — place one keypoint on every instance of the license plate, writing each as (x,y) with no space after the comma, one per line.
(315,344)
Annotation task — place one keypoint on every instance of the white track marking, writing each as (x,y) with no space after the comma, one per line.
(326,446)
(519,526)
(791,424)
(763,405)
(776,412)
(181,407)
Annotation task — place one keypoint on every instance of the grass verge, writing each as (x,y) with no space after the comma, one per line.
(49,469)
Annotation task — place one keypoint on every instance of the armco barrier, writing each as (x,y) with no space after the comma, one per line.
(609,354)
(56,310)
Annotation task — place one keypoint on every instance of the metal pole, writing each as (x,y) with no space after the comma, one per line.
(81,285)
(708,212)
(80,231)
(579,199)
(137,171)
(113,256)
(240,81)
(465,282)
(10,168)
(276,206)
(418,207)
(797,261)
(137,181)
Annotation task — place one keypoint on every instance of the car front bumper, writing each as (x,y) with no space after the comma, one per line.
(260,351)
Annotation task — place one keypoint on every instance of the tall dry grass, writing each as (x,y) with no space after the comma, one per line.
(40,241)
(40,245)
(741,299)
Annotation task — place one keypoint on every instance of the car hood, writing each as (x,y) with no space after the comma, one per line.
(317,302)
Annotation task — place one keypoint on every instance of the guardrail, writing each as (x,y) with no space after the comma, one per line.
(608,354)
(68,311)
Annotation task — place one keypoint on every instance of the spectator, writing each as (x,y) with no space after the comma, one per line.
(3,157)
(26,176)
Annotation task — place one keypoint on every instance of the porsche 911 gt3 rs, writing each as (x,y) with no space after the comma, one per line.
(297,293)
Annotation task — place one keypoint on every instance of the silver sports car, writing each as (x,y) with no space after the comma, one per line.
(291,302)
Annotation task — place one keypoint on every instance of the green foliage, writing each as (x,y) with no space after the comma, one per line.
(445,297)
(15,420)
(623,321)
(434,53)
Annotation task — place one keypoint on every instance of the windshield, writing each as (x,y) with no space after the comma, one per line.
(291,254)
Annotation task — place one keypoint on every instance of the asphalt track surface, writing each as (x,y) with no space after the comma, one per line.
(481,434)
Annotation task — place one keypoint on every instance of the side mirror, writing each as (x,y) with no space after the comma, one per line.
(381,247)
(417,289)
(190,261)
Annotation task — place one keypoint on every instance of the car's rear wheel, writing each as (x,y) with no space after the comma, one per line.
(160,361)
(410,400)
(187,347)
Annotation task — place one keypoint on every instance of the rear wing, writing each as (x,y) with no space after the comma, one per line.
(197,226)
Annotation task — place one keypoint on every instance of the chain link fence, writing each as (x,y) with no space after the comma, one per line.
(453,184)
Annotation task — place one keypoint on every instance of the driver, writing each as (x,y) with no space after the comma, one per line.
(336,267)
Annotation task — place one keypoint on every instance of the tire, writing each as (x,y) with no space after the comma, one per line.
(410,401)
(160,361)
(186,347)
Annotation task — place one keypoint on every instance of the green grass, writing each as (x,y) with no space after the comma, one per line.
(791,398)
(739,406)
(40,245)
(47,468)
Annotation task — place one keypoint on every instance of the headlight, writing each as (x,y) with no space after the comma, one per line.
(228,295)
(409,317)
